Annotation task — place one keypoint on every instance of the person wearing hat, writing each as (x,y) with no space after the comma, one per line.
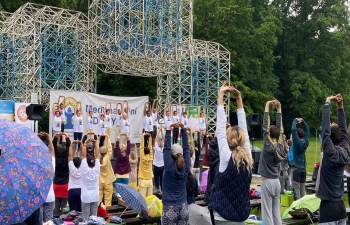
(90,169)
(177,165)
(90,149)
(106,173)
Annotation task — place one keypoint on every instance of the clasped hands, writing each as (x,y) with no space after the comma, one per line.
(335,98)
(179,124)
(224,88)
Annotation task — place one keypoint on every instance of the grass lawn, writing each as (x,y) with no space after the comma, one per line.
(313,154)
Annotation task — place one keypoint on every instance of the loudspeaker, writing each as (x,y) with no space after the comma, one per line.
(35,111)
(253,119)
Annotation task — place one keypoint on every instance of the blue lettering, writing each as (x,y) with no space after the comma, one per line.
(114,120)
(95,120)
(133,111)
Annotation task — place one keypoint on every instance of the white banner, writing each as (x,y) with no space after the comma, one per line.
(98,102)
(21,116)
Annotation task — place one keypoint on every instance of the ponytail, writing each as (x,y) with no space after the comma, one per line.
(180,162)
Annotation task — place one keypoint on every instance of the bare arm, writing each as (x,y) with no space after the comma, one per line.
(52,149)
(70,152)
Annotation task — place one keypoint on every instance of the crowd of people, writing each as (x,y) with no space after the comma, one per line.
(84,175)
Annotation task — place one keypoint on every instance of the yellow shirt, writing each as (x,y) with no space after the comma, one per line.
(106,170)
(145,167)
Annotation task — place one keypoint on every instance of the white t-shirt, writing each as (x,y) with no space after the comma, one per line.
(101,127)
(202,125)
(158,159)
(90,122)
(63,115)
(175,119)
(108,121)
(78,124)
(119,120)
(51,194)
(56,123)
(155,119)
(74,176)
(167,121)
(89,181)
(125,124)
(148,123)
(184,121)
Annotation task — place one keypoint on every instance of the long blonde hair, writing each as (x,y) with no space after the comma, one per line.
(240,155)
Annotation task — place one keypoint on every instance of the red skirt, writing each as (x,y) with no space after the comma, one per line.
(61,190)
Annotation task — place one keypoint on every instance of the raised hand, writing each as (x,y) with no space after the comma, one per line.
(235,91)
(224,88)
(181,125)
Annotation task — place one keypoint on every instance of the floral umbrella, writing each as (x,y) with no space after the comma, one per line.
(26,172)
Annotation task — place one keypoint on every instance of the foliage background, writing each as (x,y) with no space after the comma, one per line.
(294,50)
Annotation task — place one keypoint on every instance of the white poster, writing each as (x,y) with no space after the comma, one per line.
(21,115)
(96,103)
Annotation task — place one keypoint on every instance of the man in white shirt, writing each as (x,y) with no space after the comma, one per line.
(155,124)
(184,119)
(148,125)
(167,119)
(175,119)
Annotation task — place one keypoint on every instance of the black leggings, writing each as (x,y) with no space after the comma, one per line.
(158,176)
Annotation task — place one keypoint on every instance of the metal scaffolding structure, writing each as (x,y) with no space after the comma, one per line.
(139,37)
(43,48)
(154,38)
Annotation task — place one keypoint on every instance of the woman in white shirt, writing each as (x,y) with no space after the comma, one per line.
(63,116)
(56,126)
(78,128)
(90,122)
(74,184)
(108,122)
(125,124)
(90,169)
(202,129)
(158,160)
(102,125)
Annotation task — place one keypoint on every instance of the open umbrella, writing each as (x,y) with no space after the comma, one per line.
(311,202)
(198,215)
(204,180)
(26,172)
(133,198)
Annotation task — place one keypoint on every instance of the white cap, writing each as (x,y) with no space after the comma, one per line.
(176,149)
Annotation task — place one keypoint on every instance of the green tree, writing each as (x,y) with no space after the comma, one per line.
(249,30)
(314,56)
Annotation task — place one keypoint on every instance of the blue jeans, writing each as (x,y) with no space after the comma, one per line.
(122,181)
(74,199)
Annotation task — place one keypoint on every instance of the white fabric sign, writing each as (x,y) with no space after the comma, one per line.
(96,103)
(21,115)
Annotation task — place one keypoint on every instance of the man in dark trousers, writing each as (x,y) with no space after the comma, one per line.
(298,169)
(335,147)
